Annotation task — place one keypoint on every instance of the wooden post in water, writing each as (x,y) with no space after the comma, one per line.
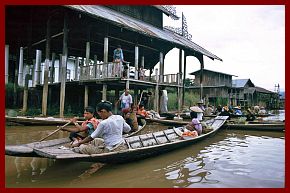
(156,106)
(86,97)
(161,67)
(104,93)
(36,78)
(25,92)
(136,61)
(6,63)
(201,76)
(52,68)
(63,67)
(46,69)
(183,82)
(20,68)
(76,68)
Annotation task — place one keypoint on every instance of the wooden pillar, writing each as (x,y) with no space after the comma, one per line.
(63,67)
(161,67)
(36,78)
(135,96)
(143,62)
(15,88)
(156,103)
(46,69)
(136,61)
(86,97)
(76,68)
(106,49)
(52,68)
(96,66)
(6,63)
(59,68)
(117,95)
(184,77)
(200,58)
(20,69)
(25,92)
(87,53)
(178,93)
(104,93)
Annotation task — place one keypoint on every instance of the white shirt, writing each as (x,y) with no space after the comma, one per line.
(199,116)
(111,130)
(126,100)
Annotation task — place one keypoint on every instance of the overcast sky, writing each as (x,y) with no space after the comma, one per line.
(250,40)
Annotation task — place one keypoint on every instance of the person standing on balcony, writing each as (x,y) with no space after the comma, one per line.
(118,59)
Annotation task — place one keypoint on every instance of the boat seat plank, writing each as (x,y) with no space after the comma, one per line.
(148,140)
(134,142)
(160,137)
(171,135)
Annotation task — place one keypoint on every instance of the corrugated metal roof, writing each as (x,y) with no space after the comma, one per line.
(240,83)
(259,89)
(133,24)
(195,72)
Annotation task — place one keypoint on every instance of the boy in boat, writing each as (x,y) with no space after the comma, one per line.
(110,130)
(88,126)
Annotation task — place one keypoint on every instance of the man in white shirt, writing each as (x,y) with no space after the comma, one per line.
(126,100)
(110,129)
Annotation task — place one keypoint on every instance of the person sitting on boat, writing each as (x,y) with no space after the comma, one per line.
(250,116)
(194,124)
(237,110)
(130,117)
(262,111)
(225,112)
(141,111)
(218,110)
(89,125)
(208,110)
(110,130)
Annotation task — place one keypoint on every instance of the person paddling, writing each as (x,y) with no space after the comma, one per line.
(86,128)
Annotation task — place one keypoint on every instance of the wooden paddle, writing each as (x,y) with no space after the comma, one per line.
(140,98)
(60,127)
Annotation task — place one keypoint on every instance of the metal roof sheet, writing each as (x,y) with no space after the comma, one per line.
(133,24)
(240,83)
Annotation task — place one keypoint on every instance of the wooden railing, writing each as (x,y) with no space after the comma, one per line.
(115,70)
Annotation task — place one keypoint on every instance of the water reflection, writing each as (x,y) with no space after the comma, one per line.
(227,163)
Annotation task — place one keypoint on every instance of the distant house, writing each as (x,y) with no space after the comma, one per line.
(220,89)
(245,93)
(241,92)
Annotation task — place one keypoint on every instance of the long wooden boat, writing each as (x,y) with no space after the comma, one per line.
(27,150)
(253,125)
(139,147)
(36,120)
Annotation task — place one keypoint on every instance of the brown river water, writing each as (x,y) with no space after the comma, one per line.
(231,158)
